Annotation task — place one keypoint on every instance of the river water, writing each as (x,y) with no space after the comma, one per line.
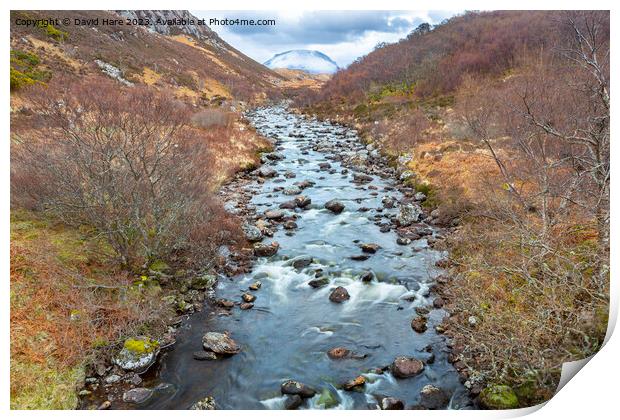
(292,325)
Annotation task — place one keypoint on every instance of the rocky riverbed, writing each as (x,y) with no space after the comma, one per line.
(340,309)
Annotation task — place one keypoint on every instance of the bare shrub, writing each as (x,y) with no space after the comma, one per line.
(124,161)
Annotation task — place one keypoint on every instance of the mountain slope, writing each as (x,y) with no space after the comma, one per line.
(191,60)
(314,62)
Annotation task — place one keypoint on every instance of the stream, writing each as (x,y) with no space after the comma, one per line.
(287,334)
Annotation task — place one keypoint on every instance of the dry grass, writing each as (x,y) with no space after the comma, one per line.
(67,303)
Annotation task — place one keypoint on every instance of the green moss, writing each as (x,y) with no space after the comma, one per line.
(327,399)
(499,397)
(140,345)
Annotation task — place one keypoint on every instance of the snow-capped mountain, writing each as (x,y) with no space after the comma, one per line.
(310,61)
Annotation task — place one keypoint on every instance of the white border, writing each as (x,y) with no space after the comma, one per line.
(591,394)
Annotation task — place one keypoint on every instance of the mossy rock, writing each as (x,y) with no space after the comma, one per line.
(498,397)
(137,354)
(327,399)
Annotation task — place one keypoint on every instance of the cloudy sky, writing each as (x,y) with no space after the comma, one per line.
(342,35)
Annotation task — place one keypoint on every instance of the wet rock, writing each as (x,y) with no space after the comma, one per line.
(339,295)
(247,297)
(403,241)
(320,282)
(301,261)
(367,276)
(360,257)
(297,388)
(294,190)
(419,324)
(252,233)
(334,206)
(355,383)
(289,205)
(324,166)
(137,395)
(391,403)
(266,172)
(220,343)
(246,305)
(370,248)
(204,355)
(266,250)
(421,310)
(438,302)
(338,353)
(361,178)
(433,398)
(255,286)
(302,201)
(304,184)
(274,214)
(293,402)
(207,403)
(406,367)
(408,214)
(289,225)
(137,354)
(225,303)
(498,397)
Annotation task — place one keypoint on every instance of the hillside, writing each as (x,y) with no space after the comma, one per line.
(192,61)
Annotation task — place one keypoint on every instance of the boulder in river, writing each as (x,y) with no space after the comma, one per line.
(355,383)
(297,388)
(370,248)
(137,395)
(367,276)
(255,286)
(301,261)
(247,297)
(359,257)
(207,403)
(391,403)
(406,367)
(408,213)
(289,225)
(433,398)
(137,354)
(320,282)
(204,355)
(302,201)
(267,172)
(289,205)
(334,206)
(246,305)
(338,353)
(419,324)
(339,295)
(220,343)
(361,178)
(252,233)
(274,214)
(293,190)
(266,250)
(293,402)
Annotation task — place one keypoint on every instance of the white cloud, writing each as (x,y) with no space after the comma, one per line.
(342,35)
